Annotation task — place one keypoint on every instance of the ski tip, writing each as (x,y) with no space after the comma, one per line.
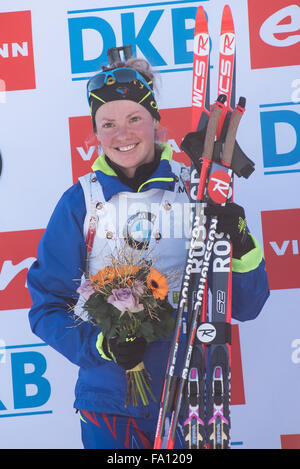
(227,21)
(227,11)
(201,25)
(200,11)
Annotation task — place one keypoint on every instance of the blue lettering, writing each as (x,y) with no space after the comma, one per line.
(76,26)
(142,38)
(181,35)
(21,379)
(2,406)
(270,155)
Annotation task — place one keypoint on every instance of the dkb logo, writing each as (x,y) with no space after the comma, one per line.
(163,34)
(24,385)
(280,131)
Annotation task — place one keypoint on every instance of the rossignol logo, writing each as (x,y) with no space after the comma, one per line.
(92,32)
(219,186)
(281,230)
(206,333)
(274,29)
(201,44)
(17,255)
(205,263)
(221,259)
(16,51)
(227,42)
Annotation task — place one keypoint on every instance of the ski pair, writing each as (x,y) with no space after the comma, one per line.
(215,333)
(202,149)
(207,394)
(195,420)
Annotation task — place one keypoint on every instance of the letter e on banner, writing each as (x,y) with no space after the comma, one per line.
(274,28)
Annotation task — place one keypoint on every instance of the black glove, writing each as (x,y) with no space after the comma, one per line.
(126,354)
(232,221)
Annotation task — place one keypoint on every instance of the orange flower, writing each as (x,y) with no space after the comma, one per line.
(158,284)
(127,271)
(104,276)
(109,273)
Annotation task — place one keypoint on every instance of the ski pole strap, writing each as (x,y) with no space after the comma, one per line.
(209,142)
(232,130)
(212,126)
(209,333)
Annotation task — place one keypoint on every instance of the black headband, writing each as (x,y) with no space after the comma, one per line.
(133,91)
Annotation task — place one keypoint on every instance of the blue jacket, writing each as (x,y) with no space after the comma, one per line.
(101,384)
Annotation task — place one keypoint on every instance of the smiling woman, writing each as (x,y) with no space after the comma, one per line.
(125,205)
(126,132)
(124,113)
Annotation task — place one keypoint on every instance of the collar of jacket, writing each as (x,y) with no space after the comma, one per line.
(162,178)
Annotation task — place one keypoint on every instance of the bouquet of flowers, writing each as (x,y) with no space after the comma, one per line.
(128,298)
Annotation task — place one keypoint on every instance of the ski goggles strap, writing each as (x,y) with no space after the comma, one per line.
(118,75)
(118,84)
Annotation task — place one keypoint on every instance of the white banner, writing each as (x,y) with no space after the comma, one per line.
(46,56)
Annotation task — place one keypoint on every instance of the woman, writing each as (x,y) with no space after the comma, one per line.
(134,185)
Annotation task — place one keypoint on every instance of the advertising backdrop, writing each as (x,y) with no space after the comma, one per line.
(47,53)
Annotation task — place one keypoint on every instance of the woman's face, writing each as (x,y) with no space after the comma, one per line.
(126,132)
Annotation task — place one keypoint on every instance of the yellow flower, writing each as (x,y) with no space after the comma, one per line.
(158,284)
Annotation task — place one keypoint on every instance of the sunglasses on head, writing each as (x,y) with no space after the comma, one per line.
(119,75)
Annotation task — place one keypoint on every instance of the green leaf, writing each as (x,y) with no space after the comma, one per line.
(146,330)
(122,335)
(105,325)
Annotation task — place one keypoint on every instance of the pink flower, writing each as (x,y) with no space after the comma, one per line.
(124,300)
(85,290)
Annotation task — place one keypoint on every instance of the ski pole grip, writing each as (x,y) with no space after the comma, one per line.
(212,126)
(232,131)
